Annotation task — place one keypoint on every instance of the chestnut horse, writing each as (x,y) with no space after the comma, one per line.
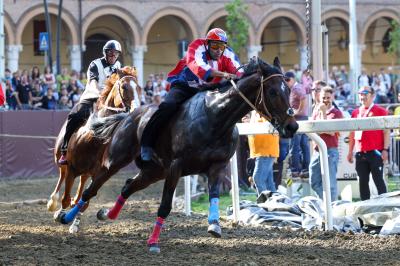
(200,138)
(120,95)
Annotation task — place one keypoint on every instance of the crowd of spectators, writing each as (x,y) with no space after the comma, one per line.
(384,87)
(36,90)
(33,90)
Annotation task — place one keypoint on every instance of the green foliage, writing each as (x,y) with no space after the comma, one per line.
(394,35)
(237,25)
(201,205)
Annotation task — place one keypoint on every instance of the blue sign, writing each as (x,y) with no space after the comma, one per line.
(43,41)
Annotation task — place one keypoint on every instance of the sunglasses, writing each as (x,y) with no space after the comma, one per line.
(316,90)
(216,46)
(112,53)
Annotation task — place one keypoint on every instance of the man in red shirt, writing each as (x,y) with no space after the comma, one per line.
(372,146)
(324,110)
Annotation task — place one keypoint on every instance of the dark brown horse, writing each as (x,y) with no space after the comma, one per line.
(121,94)
(199,139)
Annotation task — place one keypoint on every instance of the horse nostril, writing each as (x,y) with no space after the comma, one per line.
(292,127)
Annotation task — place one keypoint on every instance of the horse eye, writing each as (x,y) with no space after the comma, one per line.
(273,93)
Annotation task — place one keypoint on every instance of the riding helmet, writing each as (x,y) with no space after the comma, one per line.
(217,34)
(112,44)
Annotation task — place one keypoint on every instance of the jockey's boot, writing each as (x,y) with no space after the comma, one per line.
(148,158)
(63,159)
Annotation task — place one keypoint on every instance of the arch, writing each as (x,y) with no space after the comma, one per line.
(222,13)
(288,14)
(384,13)
(9,29)
(53,9)
(115,11)
(170,11)
(336,13)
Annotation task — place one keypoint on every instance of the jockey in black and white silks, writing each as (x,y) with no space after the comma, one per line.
(98,72)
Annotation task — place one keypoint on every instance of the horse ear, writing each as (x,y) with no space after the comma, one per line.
(277,63)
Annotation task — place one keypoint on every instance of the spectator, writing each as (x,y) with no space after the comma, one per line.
(265,149)
(2,98)
(63,78)
(372,147)
(35,74)
(64,103)
(48,78)
(24,91)
(37,93)
(300,150)
(49,102)
(148,90)
(364,79)
(11,96)
(324,110)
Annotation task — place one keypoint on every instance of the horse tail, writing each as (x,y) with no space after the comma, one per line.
(103,127)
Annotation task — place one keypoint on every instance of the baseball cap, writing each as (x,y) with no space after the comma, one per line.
(365,90)
(289,75)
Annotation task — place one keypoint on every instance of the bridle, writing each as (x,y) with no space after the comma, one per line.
(124,108)
(260,98)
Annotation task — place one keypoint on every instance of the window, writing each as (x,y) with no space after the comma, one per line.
(38,27)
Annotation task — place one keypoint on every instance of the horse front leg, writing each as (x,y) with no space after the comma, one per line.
(163,211)
(54,197)
(215,175)
(90,192)
(81,186)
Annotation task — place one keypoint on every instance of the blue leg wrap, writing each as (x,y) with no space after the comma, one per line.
(70,216)
(213,211)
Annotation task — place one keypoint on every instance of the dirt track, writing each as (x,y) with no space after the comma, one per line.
(28,236)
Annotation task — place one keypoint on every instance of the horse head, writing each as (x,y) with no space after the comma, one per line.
(272,97)
(122,92)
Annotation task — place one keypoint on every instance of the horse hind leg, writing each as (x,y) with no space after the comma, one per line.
(142,180)
(54,197)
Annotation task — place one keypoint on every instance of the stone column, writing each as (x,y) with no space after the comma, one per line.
(303,57)
(75,57)
(253,50)
(12,55)
(137,59)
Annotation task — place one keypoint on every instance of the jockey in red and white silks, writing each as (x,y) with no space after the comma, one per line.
(195,68)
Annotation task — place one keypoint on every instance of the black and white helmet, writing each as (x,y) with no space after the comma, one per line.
(112,44)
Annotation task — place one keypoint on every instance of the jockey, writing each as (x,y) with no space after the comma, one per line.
(98,72)
(207,61)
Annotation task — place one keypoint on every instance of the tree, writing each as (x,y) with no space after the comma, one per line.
(394,36)
(237,25)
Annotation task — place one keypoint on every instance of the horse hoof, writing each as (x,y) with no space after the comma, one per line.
(57,215)
(75,226)
(214,230)
(154,248)
(102,214)
(52,203)
(62,218)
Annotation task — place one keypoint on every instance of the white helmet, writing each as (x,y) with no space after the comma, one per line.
(112,44)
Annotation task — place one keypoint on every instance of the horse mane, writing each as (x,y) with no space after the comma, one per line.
(109,84)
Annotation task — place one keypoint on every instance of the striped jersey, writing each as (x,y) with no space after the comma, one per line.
(100,71)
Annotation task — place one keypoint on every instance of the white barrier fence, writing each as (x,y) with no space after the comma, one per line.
(311,128)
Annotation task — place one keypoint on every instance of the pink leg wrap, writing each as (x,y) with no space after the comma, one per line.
(114,211)
(156,231)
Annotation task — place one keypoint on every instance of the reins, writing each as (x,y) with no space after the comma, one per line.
(267,114)
(124,108)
